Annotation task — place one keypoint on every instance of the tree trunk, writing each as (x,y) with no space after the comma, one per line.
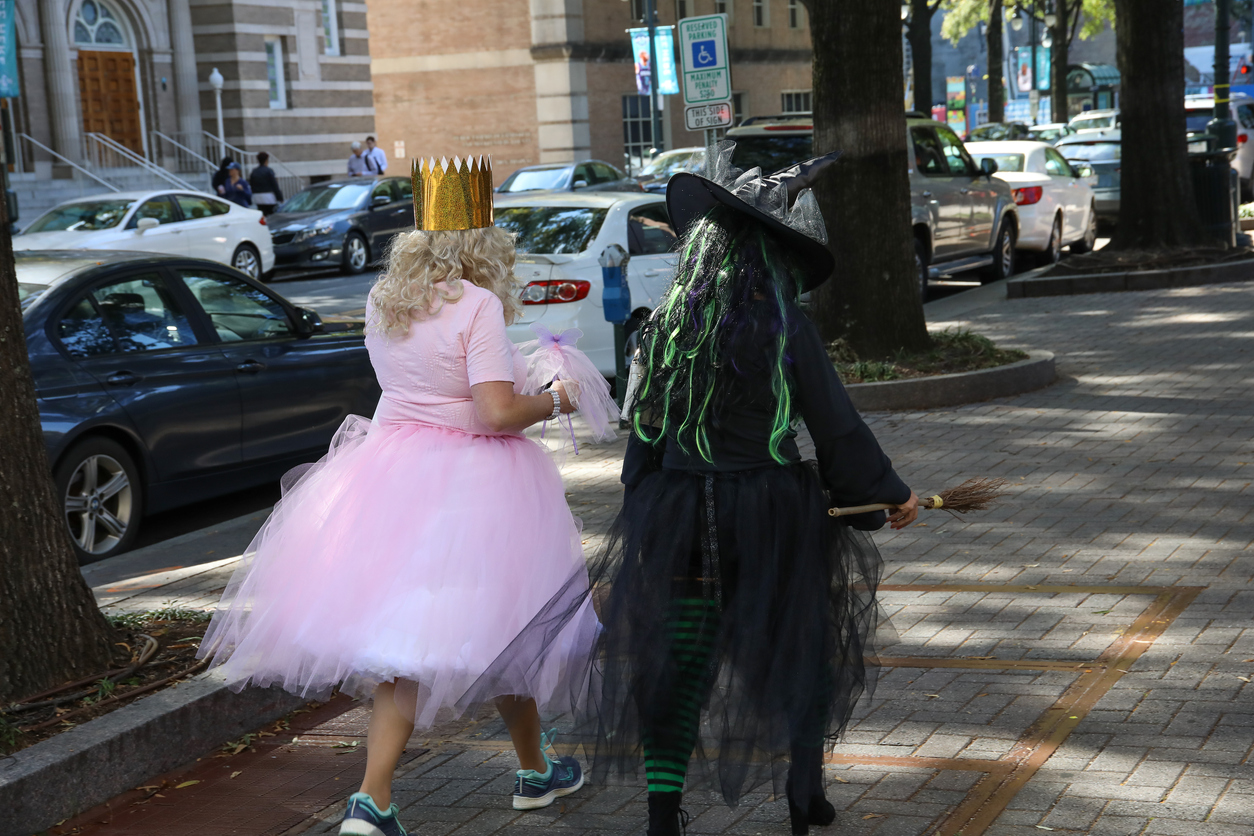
(873,299)
(1065,12)
(1157,208)
(919,34)
(50,628)
(996,64)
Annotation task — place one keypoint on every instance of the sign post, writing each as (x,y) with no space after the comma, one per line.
(706,74)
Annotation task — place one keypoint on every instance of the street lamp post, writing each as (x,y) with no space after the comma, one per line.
(1222,127)
(216,81)
(655,116)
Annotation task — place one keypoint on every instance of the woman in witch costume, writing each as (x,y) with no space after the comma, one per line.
(741,614)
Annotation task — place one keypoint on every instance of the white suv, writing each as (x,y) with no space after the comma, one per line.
(1199,110)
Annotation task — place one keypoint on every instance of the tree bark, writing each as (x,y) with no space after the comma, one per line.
(873,299)
(996,64)
(50,628)
(1065,12)
(1157,208)
(919,35)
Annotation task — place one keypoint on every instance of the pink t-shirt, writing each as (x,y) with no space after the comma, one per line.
(426,375)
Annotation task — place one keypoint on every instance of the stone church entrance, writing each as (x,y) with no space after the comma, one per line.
(106,83)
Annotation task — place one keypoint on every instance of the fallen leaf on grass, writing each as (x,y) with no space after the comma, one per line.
(186,784)
(233,774)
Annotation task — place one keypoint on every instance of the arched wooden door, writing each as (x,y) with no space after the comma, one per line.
(106,83)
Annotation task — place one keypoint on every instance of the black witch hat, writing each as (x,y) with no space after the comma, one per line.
(782,202)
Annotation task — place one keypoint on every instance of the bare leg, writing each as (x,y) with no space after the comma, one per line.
(389,732)
(523,721)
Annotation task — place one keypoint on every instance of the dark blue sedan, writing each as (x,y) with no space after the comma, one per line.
(342,223)
(164,381)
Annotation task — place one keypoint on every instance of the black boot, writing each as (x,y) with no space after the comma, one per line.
(665,817)
(812,807)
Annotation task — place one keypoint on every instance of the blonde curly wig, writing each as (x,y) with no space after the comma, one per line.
(418,260)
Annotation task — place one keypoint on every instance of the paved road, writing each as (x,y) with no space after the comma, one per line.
(1076,661)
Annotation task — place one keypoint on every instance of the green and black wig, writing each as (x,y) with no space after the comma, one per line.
(733,280)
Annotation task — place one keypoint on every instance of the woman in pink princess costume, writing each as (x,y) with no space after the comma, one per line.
(407,561)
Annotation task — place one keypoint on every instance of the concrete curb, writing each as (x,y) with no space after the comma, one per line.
(91,763)
(1037,286)
(1036,372)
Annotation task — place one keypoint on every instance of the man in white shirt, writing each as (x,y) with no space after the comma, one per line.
(357,162)
(376,160)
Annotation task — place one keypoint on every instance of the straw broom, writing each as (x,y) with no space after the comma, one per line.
(971,495)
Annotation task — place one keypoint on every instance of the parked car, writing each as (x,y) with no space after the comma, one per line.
(999,132)
(341,223)
(172,222)
(1096,120)
(164,380)
(1055,203)
(560,238)
(1102,152)
(659,170)
(1050,132)
(1199,110)
(590,175)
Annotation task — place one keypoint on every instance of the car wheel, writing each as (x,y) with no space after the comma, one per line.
(1003,253)
(356,254)
(921,268)
(1089,241)
(1053,250)
(247,261)
(101,497)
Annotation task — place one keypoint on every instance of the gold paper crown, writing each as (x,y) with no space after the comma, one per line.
(452,196)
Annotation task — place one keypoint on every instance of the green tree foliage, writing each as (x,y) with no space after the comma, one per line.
(961,16)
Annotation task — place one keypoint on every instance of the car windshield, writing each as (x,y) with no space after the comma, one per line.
(1048,134)
(1197,120)
(1089,122)
(84,216)
(1005,162)
(328,196)
(771,153)
(530,180)
(993,132)
(551,230)
(667,164)
(27,293)
(1094,152)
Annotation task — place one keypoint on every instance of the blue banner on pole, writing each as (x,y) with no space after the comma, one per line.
(9,86)
(664,43)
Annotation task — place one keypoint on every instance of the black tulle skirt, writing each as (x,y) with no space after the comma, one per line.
(791,593)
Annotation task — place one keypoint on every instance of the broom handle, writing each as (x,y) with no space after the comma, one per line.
(878,506)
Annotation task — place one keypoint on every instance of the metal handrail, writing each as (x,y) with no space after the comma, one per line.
(274,161)
(63,159)
(135,159)
(209,164)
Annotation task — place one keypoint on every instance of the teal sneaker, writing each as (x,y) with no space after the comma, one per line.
(363,818)
(533,790)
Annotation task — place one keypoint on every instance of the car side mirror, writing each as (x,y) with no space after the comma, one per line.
(580,184)
(379,200)
(145,224)
(989,166)
(308,322)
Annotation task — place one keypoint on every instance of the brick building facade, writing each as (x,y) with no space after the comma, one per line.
(531,81)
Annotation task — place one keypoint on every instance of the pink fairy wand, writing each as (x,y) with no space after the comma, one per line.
(551,358)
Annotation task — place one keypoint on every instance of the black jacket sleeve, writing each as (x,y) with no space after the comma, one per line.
(854,468)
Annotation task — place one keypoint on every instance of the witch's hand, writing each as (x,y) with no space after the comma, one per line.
(905,513)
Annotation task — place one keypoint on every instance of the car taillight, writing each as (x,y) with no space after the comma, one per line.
(1242,138)
(1028,195)
(551,292)
(263,220)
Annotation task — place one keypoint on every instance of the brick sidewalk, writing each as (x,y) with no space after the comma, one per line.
(1075,661)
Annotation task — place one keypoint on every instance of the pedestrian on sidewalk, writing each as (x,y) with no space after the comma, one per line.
(265,185)
(376,160)
(731,591)
(218,181)
(236,189)
(409,558)
(357,162)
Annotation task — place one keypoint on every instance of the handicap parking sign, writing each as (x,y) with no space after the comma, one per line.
(704,54)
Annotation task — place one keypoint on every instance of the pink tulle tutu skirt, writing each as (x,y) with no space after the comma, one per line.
(414,553)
